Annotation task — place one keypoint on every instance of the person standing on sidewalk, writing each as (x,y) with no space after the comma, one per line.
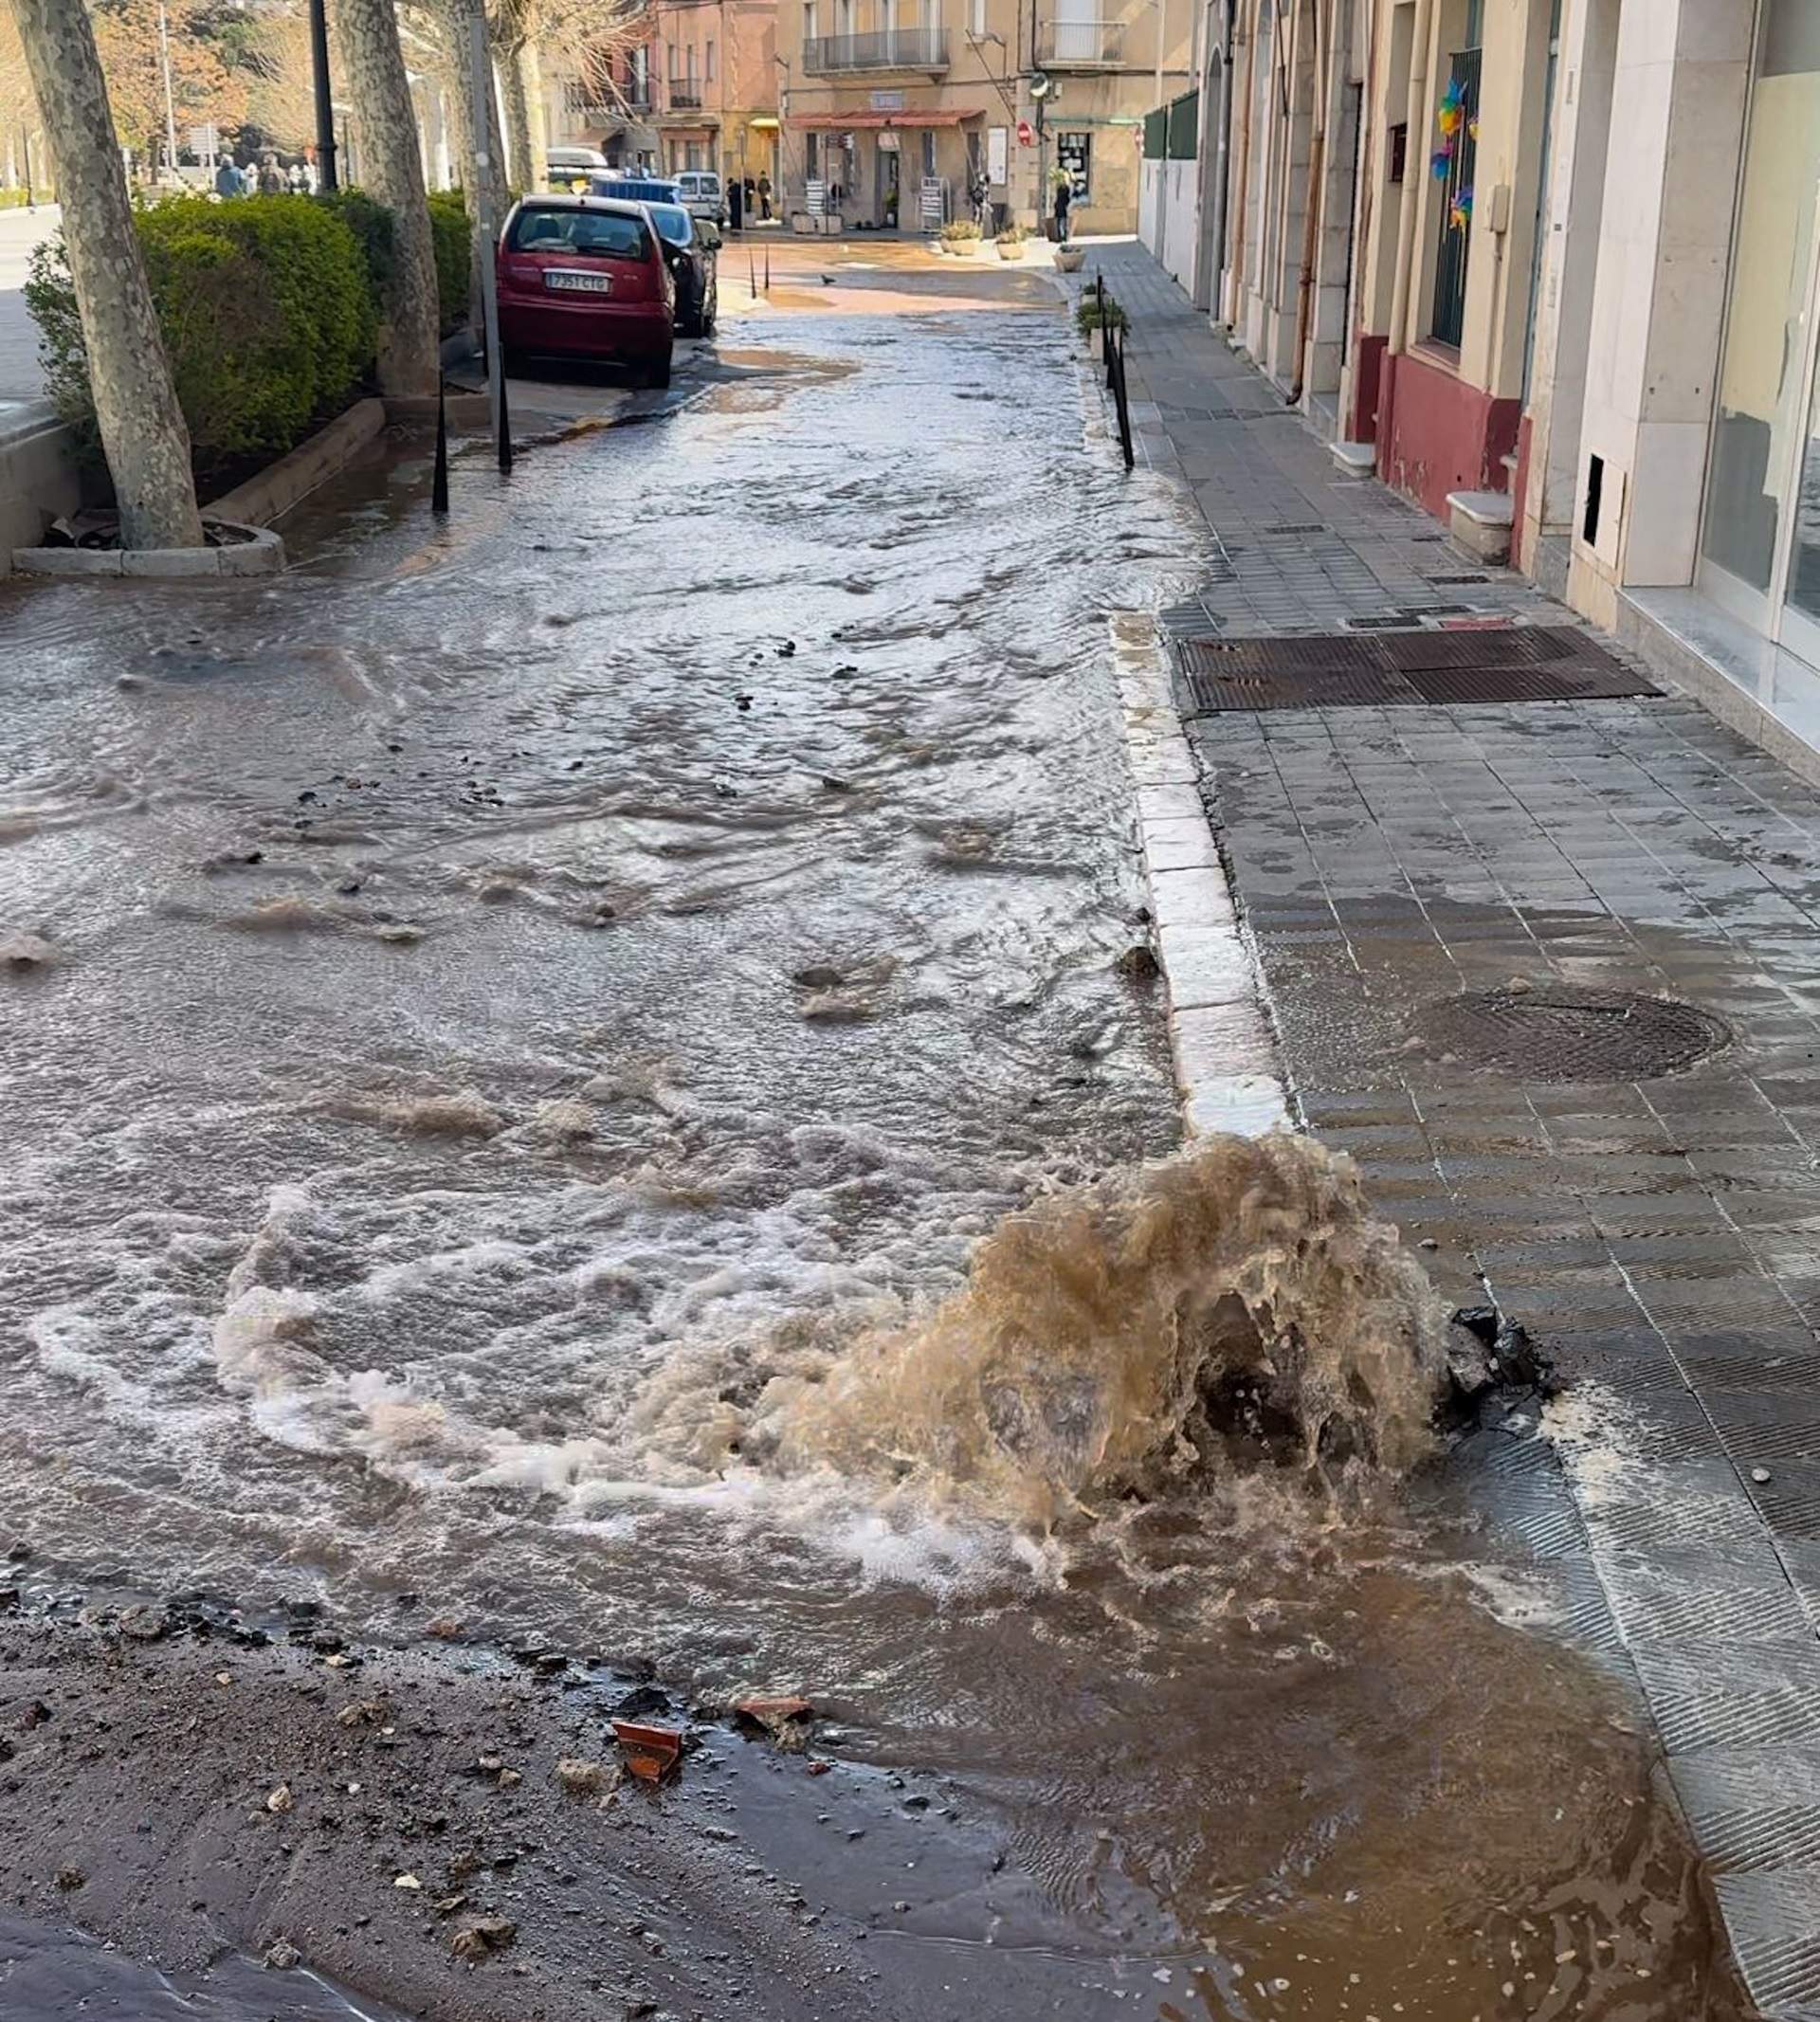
(764,196)
(227,177)
(1063,202)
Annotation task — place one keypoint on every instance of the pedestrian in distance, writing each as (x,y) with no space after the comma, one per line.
(1064,204)
(764,196)
(271,177)
(227,177)
(298,180)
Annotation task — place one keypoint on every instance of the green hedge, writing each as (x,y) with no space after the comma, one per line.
(268,315)
(453,235)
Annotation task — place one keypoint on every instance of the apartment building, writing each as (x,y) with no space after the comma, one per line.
(698,91)
(1548,265)
(893,109)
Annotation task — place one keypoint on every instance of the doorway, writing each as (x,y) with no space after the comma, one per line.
(1761,541)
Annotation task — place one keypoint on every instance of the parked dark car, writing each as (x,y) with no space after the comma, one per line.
(691,246)
(586,276)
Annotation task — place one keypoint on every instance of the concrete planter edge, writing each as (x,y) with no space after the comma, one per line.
(260,554)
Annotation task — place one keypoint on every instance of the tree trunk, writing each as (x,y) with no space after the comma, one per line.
(393,172)
(520,167)
(477,135)
(537,121)
(143,434)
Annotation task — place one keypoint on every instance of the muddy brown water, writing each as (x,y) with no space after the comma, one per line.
(523,984)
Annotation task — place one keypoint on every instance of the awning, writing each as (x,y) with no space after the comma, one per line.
(762,122)
(911,116)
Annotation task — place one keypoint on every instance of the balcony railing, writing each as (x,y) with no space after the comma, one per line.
(684,100)
(1082,44)
(886,49)
(634,103)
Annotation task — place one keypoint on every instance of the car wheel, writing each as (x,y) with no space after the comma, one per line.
(658,372)
(711,314)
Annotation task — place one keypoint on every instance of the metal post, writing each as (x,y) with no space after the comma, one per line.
(1161,13)
(482,62)
(326,179)
(439,483)
(170,103)
(767,268)
(31,201)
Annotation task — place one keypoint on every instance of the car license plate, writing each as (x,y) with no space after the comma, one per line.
(575,283)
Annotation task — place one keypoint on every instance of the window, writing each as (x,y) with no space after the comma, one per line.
(1074,152)
(612,234)
(707,63)
(976,16)
(810,30)
(1453,200)
(676,61)
(812,155)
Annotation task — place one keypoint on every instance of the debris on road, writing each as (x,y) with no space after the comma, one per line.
(23,952)
(484,1937)
(582,1778)
(279,1800)
(281,1956)
(786,1721)
(652,1753)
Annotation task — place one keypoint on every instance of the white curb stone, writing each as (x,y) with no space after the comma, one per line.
(1225,1063)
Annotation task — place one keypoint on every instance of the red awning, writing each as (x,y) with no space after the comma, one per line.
(852,121)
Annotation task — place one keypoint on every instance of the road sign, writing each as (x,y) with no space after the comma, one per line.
(1024,134)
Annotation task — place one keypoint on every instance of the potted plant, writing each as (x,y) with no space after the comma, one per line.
(959,236)
(1069,258)
(1010,241)
(1087,320)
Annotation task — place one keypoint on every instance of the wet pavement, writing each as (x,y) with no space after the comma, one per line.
(538,1006)
(1661,1235)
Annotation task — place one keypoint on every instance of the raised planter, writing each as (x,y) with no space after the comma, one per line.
(281,485)
(1069,258)
(1010,248)
(246,551)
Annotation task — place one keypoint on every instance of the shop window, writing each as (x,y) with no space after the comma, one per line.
(1074,152)
(1452,164)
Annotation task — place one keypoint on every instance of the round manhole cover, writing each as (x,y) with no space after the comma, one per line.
(1556,1033)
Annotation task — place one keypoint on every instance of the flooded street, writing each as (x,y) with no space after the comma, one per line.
(545,1008)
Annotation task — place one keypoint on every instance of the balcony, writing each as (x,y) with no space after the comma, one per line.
(1082,44)
(683,100)
(886,49)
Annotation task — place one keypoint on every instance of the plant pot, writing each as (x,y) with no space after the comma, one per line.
(1008,251)
(1069,258)
(1097,344)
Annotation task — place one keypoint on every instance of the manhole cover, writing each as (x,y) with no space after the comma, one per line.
(1556,1033)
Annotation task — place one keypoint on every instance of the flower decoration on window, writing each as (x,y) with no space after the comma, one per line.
(1450,116)
(1461,213)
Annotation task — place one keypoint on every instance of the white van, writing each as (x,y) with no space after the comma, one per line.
(702,194)
(564,166)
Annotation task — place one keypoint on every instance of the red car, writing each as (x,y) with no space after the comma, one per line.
(585,277)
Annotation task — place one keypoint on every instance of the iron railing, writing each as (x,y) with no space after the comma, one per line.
(1091,44)
(884,49)
(686,100)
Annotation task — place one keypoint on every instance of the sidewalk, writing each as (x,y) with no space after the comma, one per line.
(20,231)
(1659,1231)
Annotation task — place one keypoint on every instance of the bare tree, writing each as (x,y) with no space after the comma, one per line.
(477,162)
(392,170)
(142,430)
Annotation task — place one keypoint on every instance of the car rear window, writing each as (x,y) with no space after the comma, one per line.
(611,234)
(673,222)
(708,185)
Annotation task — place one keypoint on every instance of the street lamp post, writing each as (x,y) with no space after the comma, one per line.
(169,101)
(326,178)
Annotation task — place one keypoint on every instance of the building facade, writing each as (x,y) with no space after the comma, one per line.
(699,90)
(895,110)
(1548,265)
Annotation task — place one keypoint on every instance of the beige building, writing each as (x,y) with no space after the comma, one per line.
(893,109)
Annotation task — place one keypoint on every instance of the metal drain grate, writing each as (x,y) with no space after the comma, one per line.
(1332,670)
(1557,1034)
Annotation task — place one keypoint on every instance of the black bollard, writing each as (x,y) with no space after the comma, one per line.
(439,483)
(505,426)
(767,266)
(752,272)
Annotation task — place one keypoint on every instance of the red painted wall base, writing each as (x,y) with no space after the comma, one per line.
(1436,434)
(1519,492)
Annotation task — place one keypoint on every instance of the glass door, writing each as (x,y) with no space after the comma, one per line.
(1763,431)
(1800,627)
